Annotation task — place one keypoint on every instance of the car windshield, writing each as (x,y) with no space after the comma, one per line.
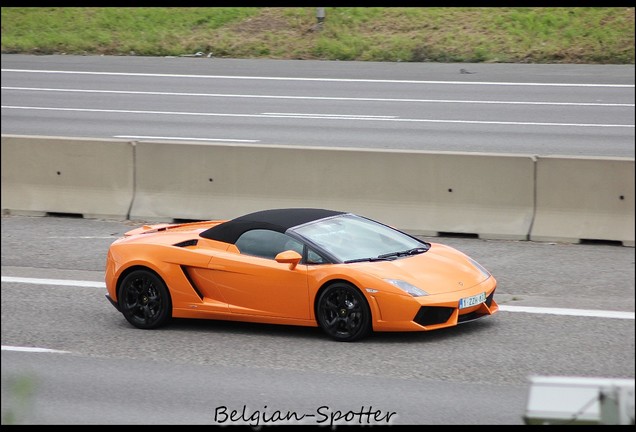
(351,238)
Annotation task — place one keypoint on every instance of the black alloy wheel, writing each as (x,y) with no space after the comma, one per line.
(343,313)
(144,300)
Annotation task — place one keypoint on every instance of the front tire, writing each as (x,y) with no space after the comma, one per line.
(343,313)
(144,300)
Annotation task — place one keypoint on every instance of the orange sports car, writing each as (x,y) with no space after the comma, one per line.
(345,273)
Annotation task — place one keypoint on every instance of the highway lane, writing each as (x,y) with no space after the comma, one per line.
(530,109)
(96,390)
(473,374)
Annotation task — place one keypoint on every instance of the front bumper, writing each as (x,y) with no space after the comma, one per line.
(404,313)
(429,316)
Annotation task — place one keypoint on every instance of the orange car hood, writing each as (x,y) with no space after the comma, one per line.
(440,270)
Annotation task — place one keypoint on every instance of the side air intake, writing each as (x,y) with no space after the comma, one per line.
(187,243)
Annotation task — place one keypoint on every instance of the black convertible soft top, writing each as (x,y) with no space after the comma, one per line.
(277,220)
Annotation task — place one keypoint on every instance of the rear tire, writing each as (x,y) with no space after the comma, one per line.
(144,300)
(343,312)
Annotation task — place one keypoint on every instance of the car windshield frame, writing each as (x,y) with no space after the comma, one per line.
(348,238)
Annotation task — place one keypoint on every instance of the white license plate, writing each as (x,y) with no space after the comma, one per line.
(472,301)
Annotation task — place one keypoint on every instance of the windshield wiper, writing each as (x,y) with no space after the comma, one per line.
(372,259)
(414,251)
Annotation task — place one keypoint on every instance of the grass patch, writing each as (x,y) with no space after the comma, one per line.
(412,34)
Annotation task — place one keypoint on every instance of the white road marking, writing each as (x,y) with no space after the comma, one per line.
(63,282)
(318,115)
(186,139)
(32,349)
(571,312)
(504,308)
(327,98)
(84,237)
(305,116)
(347,80)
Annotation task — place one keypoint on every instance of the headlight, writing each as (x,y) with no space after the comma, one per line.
(405,286)
(481,268)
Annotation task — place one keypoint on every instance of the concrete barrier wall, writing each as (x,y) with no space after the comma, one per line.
(584,198)
(499,196)
(68,175)
(423,192)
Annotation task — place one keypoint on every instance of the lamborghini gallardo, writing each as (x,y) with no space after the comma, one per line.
(345,273)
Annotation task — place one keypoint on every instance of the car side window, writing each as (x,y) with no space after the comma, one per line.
(267,243)
(315,258)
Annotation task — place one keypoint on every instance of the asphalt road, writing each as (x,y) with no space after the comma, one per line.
(107,372)
(195,372)
(497,108)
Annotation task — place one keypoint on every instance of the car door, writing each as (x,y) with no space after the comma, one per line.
(253,283)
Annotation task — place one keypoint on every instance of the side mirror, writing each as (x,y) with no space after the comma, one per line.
(289,257)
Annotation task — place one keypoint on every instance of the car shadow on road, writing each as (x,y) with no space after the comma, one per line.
(314,333)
